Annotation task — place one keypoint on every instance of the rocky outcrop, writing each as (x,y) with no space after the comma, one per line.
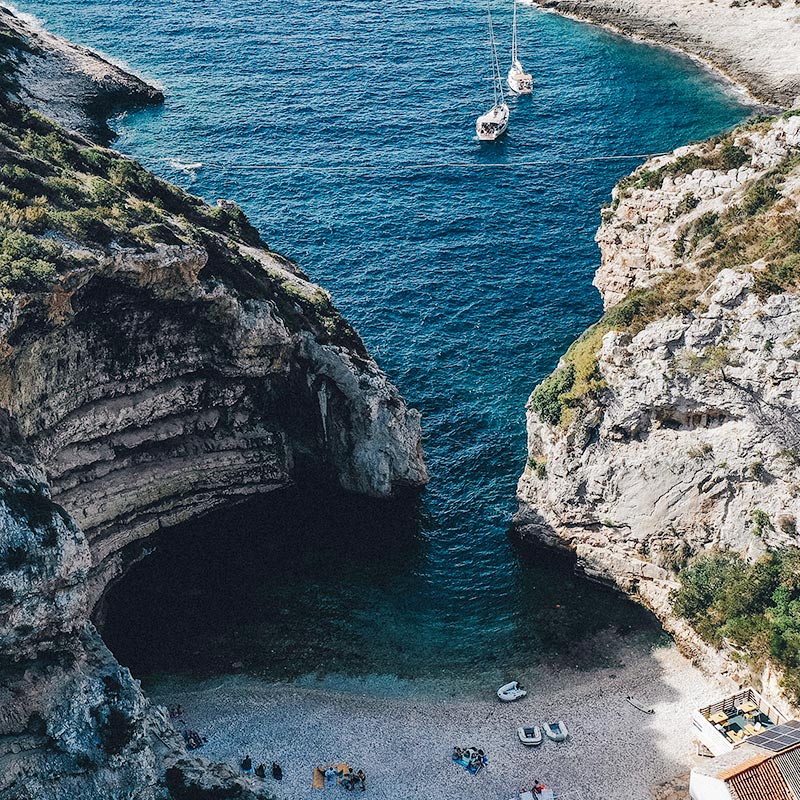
(157,360)
(672,426)
(73,722)
(70,84)
(159,392)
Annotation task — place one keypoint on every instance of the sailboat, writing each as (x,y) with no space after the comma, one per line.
(494,123)
(519,81)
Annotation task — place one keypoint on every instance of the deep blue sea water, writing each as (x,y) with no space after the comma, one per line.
(466,282)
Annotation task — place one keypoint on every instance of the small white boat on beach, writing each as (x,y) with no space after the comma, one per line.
(494,123)
(557,731)
(519,81)
(532,737)
(510,692)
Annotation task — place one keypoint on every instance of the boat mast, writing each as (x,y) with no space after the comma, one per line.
(514,36)
(496,79)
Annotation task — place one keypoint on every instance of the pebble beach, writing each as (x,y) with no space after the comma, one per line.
(403,742)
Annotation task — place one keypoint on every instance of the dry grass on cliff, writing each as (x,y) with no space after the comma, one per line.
(760,233)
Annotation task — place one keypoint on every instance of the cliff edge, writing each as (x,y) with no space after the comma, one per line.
(157,360)
(671,427)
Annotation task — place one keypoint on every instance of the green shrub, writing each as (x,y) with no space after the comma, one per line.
(756,606)
(105,193)
(761,521)
(539,468)
(26,263)
(705,225)
(759,197)
(131,177)
(731,157)
(85,225)
(53,148)
(686,204)
(546,399)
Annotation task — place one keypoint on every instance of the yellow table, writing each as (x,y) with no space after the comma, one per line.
(748,707)
(719,716)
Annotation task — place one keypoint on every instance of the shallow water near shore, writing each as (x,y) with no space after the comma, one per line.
(466,282)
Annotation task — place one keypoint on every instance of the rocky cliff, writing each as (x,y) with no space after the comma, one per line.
(671,426)
(72,85)
(157,360)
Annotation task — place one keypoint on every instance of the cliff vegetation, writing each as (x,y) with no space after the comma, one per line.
(752,607)
(663,448)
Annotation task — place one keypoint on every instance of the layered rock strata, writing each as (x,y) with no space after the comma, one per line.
(673,425)
(157,360)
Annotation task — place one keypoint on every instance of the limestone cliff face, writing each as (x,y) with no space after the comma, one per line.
(157,360)
(73,722)
(160,390)
(672,426)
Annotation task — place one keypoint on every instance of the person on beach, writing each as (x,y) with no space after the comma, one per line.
(457,753)
(277,772)
(330,775)
(247,765)
(261,771)
(362,776)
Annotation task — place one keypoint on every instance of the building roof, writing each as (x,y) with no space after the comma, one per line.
(727,762)
(763,781)
(789,764)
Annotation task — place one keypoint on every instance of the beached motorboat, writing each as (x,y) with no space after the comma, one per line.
(557,731)
(530,736)
(519,81)
(494,123)
(510,692)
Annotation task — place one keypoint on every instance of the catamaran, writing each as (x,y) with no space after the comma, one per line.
(494,123)
(519,81)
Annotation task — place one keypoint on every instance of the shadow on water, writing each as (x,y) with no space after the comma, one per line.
(301,582)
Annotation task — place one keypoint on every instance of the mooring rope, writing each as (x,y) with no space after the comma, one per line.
(384,167)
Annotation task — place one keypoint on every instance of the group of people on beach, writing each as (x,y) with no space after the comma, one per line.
(191,738)
(260,771)
(472,758)
(350,780)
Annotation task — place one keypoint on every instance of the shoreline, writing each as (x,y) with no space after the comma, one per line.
(403,742)
(642,22)
(73,85)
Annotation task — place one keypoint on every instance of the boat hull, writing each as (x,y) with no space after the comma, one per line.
(519,81)
(556,731)
(531,737)
(493,124)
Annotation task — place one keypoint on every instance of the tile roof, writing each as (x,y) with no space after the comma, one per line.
(789,764)
(758,779)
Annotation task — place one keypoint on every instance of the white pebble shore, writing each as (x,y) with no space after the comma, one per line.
(403,742)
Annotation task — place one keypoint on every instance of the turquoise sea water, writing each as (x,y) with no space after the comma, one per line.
(466,282)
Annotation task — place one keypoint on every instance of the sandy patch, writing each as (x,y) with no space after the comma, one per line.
(753,42)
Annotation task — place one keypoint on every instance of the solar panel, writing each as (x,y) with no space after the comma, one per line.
(778,738)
